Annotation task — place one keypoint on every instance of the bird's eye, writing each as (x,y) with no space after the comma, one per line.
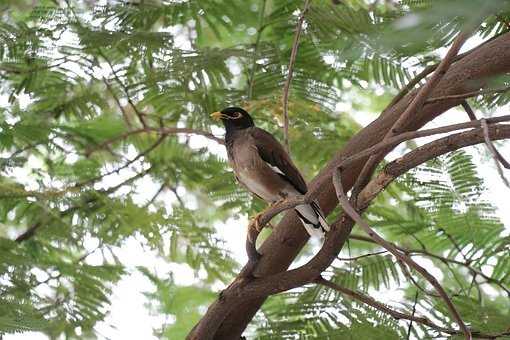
(237,115)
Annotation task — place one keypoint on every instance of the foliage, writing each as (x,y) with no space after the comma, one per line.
(90,95)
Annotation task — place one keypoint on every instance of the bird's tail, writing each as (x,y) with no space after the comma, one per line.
(313,219)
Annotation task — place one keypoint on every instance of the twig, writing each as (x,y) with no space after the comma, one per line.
(349,209)
(117,101)
(290,70)
(498,158)
(445,260)
(429,69)
(161,130)
(263,220)
(28,233)
(128,163)
(260,29)
(368,300)
(408,275)
(160,190)
(356,258)
(139,114)
(467,95)
(455,244)
(416,105)
(412,314)
(469,110)
(382,307)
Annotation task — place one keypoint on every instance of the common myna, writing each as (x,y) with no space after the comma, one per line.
(261,164)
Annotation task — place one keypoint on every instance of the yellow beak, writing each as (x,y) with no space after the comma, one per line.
(216,115)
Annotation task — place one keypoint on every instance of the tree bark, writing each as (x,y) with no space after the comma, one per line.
(283,245)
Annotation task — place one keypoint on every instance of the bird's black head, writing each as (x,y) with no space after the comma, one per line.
(234,118)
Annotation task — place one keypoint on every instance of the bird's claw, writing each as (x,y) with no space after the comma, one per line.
(255,220)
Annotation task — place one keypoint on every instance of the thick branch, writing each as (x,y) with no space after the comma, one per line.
(288,237)
(391,142)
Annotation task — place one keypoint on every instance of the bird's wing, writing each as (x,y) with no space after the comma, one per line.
(273,153)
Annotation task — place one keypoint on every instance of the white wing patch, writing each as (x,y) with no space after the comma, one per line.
(275,169)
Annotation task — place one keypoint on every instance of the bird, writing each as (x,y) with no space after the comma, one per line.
(261,164)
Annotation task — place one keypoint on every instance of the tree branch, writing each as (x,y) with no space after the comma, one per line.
(392,141)
(498,158)
(422,154)
(290,71)
(469,110)
(251,78)
(160,130)
(424,252)
(468,94)
(287,239)
(382,307)
(405,136)
(416,105)
(351,211)
(139,114)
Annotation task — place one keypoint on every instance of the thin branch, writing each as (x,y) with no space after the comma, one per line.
(455,244)
(356,258)
(160,190)
(290,70)
(445,260)
(382,307)
(412,314)
(350,210)
(428,151)
(498,158)
(408,275)
(262,221)
(161,130)
(467,95)
(28,233)
(469,110)
(139,114)
(368,300)
(128,163)
(117,101)
(260,29)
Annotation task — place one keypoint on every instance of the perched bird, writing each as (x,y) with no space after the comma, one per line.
(261,164)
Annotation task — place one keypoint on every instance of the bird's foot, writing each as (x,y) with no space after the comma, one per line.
(280,201)
(255,220)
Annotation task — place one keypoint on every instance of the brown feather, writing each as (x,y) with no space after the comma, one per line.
(272,152)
